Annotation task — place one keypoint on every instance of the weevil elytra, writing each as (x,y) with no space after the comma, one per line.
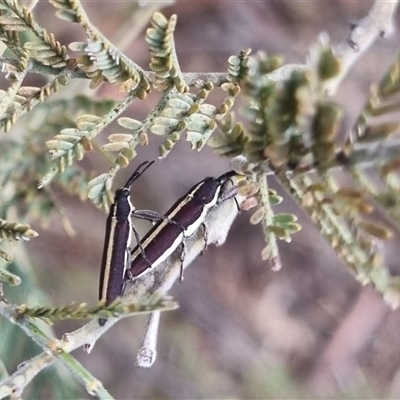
(118,233)
(188,213)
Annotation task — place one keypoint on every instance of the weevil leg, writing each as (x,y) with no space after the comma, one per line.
(173,222)
(154,216)
(128,255)
(237,203)
(147,215)
(182,259)
(123,286)
(205,237)
(128,275)
(137,238)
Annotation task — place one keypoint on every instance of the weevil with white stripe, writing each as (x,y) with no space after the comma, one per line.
(217,223)
(158,280)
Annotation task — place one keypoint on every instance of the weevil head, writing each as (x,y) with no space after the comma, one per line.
(122,193)
(208,192)
(122,203)
(227,176)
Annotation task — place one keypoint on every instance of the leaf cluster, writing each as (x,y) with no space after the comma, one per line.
(289,127)
(82,311)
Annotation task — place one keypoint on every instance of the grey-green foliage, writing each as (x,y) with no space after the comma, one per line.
(291,124)
(288,127)
(16,347)
(294,127)
(82,311)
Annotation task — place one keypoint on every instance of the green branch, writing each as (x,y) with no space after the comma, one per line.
(59,349)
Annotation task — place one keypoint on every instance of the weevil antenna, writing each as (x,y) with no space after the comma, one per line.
(228,193)
(139,244)
(138,171)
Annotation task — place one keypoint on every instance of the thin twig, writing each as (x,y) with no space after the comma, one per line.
(148,351)
(157,281)
(191,78)
(52,346)
(14,385)
(378,23)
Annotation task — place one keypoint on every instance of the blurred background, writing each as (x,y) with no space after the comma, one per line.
(242,331)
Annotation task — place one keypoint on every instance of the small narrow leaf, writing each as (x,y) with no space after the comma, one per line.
(115,146)
(120,137)
(8,277)
(161,130)
(91,118)
(67,15)
(249,203)
(257,217)
(275,199)
(99,180)
(77,46)
(374,229)
(284,218)
(129,123)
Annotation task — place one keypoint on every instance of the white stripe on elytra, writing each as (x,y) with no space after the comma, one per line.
(193,227)
(127,252)
(189,231)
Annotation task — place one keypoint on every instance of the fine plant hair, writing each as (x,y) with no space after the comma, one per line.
(289,127)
